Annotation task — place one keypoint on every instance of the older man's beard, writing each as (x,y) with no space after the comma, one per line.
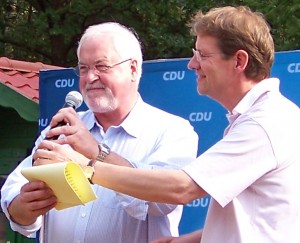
(101,104)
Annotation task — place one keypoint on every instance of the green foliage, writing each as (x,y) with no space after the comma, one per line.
(48,31)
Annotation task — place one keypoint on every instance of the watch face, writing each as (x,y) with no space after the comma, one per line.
(104,148)
(88,171)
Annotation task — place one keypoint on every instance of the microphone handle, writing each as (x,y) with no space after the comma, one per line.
(61,123)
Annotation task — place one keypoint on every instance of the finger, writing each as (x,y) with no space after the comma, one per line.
(47,145)
(39,153)
(66,130)
(32,186)
(44,150)
(67,115)
(39,197)
(58,118)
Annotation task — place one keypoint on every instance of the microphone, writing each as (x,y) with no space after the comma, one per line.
(73,99)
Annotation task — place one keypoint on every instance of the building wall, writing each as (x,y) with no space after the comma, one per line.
(17,138)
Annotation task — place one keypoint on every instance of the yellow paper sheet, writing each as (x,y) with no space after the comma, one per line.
(67,181)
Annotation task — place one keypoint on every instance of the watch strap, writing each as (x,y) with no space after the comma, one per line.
(91,164)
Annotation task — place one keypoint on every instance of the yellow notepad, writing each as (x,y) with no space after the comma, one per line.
(67,181)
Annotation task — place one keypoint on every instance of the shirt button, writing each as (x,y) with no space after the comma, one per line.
(83,215)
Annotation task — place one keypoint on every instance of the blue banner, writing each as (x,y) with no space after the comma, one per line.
(169,85)
(54,85)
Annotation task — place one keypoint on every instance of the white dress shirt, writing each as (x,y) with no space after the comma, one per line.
(148,138)
(253,173)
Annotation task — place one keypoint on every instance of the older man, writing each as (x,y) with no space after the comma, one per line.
(119,128)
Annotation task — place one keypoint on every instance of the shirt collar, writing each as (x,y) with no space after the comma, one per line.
(264,86)
(131,122)
(89,119)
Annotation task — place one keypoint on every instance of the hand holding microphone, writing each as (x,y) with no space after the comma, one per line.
(75,133)
(73,99)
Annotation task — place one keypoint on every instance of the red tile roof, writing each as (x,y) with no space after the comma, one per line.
(23,77)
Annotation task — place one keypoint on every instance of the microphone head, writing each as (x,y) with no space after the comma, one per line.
(73,99)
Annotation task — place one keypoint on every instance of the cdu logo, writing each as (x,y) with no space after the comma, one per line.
(174,75)
(43,122)
(200,202)
(63,83)
(200,116)
(294,68)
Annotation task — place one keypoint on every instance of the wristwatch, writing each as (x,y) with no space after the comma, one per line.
(89,170)
(104,150)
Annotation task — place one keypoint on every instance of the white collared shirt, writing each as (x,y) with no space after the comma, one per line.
(148,138)
(253,173)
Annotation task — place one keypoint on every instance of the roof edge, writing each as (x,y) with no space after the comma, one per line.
(22,66)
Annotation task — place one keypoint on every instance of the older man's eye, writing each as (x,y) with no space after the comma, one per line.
(101,68)
(83,69)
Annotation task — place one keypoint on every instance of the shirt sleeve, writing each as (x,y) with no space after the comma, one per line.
(234,163)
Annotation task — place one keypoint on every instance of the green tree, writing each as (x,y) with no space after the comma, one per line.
(10,18)
(48,31)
